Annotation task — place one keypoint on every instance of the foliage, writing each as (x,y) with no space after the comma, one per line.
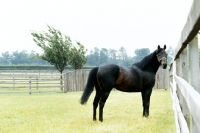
(170,55)
(5,58)
(103,58)
(21,58)
(55,45)
(56,49)
(122,56)
(140,54)
(96,57)
(77,56)
(93,57)
(112,56)
(61,113)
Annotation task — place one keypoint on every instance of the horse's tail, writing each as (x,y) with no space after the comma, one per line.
(89,85)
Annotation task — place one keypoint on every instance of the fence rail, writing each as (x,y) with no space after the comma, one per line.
(30,80)
(184,75)
(44,80)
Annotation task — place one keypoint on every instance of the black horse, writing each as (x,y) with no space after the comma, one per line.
(140,77)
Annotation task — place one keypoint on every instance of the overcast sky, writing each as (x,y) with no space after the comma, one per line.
(95,23)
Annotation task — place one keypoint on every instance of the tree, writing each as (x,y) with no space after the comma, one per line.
(170,55)
(20,57)
(6,58)
(103,58)
(122,56)
(77,58)
(140,54)
(35,60)
(112,56)
(55,46)
(93,57)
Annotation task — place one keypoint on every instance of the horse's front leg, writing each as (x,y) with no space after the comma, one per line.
(146,102)
(101,105)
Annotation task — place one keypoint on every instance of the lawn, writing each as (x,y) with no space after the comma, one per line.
(62,113)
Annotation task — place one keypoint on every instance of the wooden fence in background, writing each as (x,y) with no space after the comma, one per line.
(30,80)
(162,79)
(37,81)
(184,73)
(76,80)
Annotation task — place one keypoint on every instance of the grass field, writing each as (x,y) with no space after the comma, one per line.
(62,113)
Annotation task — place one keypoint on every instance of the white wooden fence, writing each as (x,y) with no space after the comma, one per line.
(184,76)
(35,80)
(31,80)
(40,80)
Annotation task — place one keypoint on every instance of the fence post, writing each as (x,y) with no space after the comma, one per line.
(13,82)
(185,69)
(30,85)
(194,63)
(37,82)
(65,83)
(194,70)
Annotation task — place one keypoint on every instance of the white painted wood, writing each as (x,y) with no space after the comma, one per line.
(185,64)
(194,64)
(190,29)
(30,86)
(192,97)
(174,109)
(185,75)
(182,123)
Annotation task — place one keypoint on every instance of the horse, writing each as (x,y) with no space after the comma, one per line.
(140,77)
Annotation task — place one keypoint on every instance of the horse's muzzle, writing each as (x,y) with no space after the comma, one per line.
(164,62)
(164,66)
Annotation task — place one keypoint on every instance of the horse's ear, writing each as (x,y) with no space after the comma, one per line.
(158,46)
(165,47)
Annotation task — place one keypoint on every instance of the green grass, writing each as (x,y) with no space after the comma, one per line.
(62,113)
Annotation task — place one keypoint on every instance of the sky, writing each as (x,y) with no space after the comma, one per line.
(110,24)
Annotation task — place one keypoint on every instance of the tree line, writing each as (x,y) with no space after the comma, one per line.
(95,57)
(59,51)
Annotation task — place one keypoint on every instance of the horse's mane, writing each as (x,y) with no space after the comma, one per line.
(146,61)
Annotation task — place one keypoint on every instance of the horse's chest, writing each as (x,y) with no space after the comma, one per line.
(135,83)
(148,80)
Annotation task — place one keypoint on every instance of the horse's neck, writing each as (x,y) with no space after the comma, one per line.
(153,66)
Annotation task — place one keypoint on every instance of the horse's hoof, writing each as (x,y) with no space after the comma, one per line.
(101,120)
(94,119)
(145,115)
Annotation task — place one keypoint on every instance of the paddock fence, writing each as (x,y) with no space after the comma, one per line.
(12,81)
(184,76)
(76,80)
(50,80)
(162,79)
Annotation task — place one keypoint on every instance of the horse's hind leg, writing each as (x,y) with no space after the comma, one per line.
(95,104)
(102,103)
(96,99)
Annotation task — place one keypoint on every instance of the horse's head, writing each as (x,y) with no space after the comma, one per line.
(162,56)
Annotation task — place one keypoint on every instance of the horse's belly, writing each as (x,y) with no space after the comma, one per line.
(129,88)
